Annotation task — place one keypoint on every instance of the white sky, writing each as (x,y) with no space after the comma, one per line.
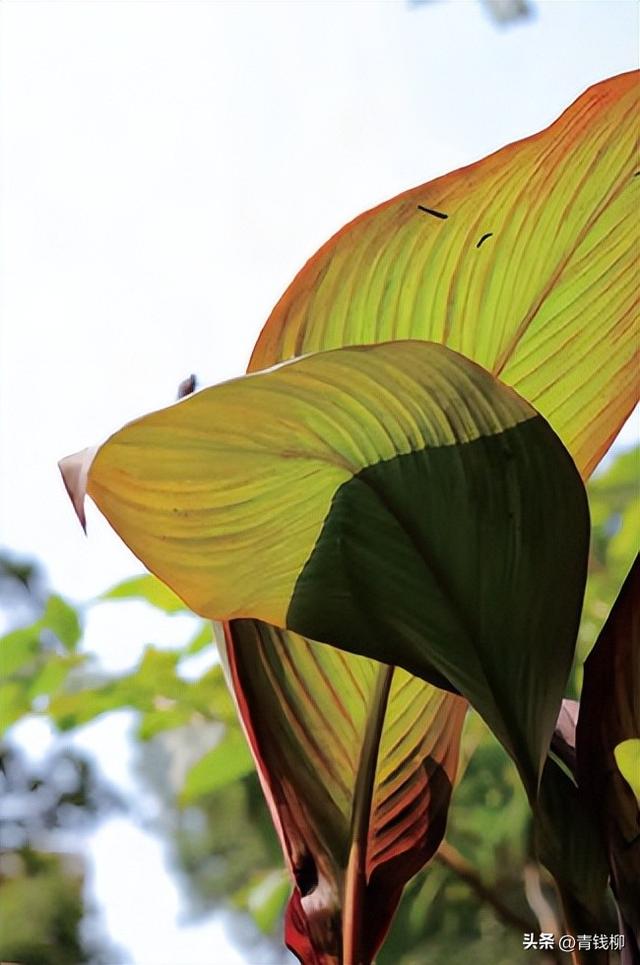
(167,167)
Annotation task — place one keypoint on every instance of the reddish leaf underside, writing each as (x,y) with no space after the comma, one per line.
(310,796)
(610,714)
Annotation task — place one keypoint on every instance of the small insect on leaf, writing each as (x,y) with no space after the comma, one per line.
(188,386)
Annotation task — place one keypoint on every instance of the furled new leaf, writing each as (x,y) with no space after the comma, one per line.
(568,844)
(610,715)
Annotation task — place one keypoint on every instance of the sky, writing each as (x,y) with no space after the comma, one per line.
(167,167)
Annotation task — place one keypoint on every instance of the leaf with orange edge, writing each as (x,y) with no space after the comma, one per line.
(525,262)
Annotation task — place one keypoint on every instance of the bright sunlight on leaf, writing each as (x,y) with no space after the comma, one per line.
(403,505)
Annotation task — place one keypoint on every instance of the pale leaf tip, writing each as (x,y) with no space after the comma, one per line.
(75,472)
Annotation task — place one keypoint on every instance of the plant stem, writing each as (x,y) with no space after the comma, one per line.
(353,945)
(451,858)
(539,905)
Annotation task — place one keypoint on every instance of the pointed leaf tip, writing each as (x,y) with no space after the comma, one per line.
(75,471)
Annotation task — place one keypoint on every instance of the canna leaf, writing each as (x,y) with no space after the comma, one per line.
(358,761)
(390,501)
(525,261)
(546,301)
(610,716)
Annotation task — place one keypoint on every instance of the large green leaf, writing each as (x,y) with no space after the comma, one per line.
(610,715)
(525,261)
(391,501)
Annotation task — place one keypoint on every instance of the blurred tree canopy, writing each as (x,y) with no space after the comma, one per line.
(481,893)
(41,888)
(501,12)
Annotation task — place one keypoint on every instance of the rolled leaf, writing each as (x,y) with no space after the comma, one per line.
(525,261)
(609,716)
(569,846)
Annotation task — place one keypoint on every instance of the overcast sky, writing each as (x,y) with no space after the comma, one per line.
(168,166)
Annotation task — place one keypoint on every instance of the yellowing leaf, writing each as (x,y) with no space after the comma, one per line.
(251,466)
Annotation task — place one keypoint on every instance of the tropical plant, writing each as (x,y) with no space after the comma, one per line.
(394,524)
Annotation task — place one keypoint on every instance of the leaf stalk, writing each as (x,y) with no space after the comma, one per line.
(353,934)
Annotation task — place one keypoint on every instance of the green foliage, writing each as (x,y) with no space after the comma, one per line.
(228,761)
(154,688)
(36,660)
(614,503)
(40,910)
(489,820)
(227,846)
(568,843)
(147,588)
(41,892)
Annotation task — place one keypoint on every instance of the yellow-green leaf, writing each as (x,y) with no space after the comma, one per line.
(543,296)
(627,755)
(389,500)
(526,261)
(531,273)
